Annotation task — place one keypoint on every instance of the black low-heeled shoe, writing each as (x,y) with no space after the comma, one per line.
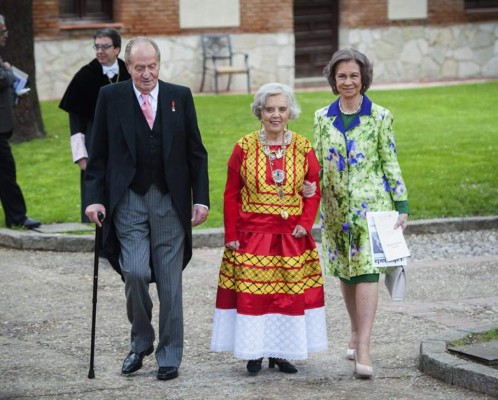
(254,366)
(283,365)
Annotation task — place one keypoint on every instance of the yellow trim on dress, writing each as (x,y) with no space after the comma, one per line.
(256,274)
(260,197)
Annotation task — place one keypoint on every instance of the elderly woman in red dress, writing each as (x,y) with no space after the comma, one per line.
(270,299)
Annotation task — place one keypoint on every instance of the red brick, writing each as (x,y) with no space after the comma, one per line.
(257,16)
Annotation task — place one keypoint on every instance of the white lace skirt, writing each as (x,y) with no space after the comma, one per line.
(270,300)
(270,335)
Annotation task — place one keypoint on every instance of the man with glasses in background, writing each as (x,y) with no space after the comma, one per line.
(80,98)
(11,195)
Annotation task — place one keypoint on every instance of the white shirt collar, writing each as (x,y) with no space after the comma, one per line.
(153,95)
(111,70)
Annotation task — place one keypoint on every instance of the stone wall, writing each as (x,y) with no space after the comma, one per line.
(400,54)
(271,57)
(428,53)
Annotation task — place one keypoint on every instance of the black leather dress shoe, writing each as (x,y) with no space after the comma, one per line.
(28,223)
(167,373)
(133,361)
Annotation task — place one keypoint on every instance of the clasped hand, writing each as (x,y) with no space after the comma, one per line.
(309,189)
(299,232)
(402,221)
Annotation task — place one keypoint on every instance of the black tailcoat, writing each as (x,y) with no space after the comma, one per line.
(112,163)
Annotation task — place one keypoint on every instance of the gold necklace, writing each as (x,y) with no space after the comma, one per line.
(278,175)
(117,79)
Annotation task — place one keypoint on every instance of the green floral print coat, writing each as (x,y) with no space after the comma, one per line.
(360,173)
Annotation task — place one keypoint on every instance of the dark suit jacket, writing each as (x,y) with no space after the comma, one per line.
(112,163)
(6,99)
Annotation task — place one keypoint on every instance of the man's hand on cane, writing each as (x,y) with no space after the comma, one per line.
(92,212)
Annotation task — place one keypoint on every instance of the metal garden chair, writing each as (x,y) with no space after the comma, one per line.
(218,57)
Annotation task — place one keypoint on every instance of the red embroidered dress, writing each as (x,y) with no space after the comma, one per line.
(270,299)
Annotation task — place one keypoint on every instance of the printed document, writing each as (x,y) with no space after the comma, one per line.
(20,81)
(388,245)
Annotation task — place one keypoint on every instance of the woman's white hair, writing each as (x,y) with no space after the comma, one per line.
(272,89)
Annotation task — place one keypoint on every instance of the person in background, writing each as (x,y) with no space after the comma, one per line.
(80,97)
(148,176)
(270,298)
(354,143)
(11,196)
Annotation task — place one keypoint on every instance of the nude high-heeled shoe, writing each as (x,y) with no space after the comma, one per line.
(350,354)
(362,370)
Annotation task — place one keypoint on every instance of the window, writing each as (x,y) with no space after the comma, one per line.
(86,10)
(477,4)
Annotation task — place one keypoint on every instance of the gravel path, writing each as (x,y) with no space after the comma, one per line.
(453,245)
(45,317)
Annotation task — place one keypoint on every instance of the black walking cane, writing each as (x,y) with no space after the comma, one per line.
(98,234)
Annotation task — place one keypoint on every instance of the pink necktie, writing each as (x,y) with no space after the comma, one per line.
(147,110)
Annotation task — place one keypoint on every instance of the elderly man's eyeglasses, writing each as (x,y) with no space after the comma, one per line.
(102,46)
(4,32)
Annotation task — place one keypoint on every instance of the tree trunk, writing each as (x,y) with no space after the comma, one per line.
(20,52)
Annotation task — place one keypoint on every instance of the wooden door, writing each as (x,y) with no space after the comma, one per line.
(316,29)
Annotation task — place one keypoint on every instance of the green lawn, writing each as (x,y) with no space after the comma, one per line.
(447,139)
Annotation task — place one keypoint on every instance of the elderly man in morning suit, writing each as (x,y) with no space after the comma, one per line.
(147,173)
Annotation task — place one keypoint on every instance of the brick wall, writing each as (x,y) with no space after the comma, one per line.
(262,16)
(133,17)
(146,17)
(453,12)
(373,13)
(161,17)
(45,17)
(362,13)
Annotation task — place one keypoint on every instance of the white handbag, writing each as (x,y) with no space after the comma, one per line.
(395,281)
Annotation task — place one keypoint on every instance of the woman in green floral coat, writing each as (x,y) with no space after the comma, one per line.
(354,143)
